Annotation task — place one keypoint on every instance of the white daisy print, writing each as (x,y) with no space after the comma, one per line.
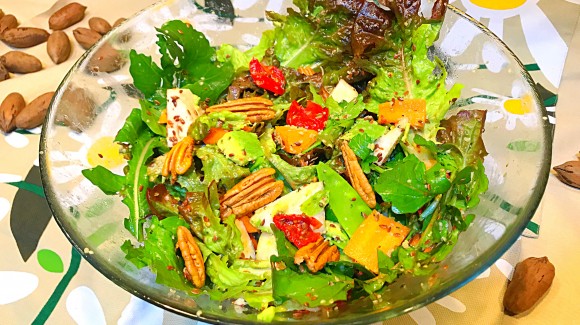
(519,108)
(539,32)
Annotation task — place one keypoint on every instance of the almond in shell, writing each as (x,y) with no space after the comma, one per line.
(7,22)
(99,25)
(67,16)
(106,59)
(20,62)
(86,37)
(3,73)
(23,37)
(77,108)
(119,22)
(34,113)
(11,106)
(58,47)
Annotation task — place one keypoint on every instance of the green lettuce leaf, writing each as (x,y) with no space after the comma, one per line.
(372,129)
(465,130)
(216,167)
(266,42)
(406,71)
(225,119)
(224,277)
(240,61)
(223,239)
(294,176)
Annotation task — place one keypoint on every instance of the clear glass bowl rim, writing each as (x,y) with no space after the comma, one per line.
(482,262)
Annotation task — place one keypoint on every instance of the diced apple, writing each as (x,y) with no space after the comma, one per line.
(343,92)
(182,111)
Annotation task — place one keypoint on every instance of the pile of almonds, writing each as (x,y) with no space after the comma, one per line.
(13,111)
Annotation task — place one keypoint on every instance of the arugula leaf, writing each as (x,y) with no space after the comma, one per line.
(158,253)
(147,76)
(181,46)
(150,115)
(104,179)
(308,289)
(136,133)
(466,193)
(132,128)
(407,185)
(216,167)
(209,80)
(347,205)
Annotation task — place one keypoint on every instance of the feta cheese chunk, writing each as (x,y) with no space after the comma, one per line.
(343,92)
(182,111)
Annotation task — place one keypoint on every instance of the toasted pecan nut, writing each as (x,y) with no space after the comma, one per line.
(252,193)
(307,71)
(356,176)
(179,159)
(194,269)
(256,109)
(316,255)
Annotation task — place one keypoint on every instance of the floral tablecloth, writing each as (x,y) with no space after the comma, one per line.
(43,279)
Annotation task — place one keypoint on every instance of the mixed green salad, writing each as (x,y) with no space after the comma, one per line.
(311,170)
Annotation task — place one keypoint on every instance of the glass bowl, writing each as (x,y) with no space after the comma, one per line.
(97,95)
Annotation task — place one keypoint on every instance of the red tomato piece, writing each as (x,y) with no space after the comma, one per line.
(312,117)
(297,228)
(267,77)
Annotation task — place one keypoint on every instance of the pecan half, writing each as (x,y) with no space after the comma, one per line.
(194,269)
(316,255)
(307,71)
(252,193)
(256,109)
(357,177)
(179,159)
